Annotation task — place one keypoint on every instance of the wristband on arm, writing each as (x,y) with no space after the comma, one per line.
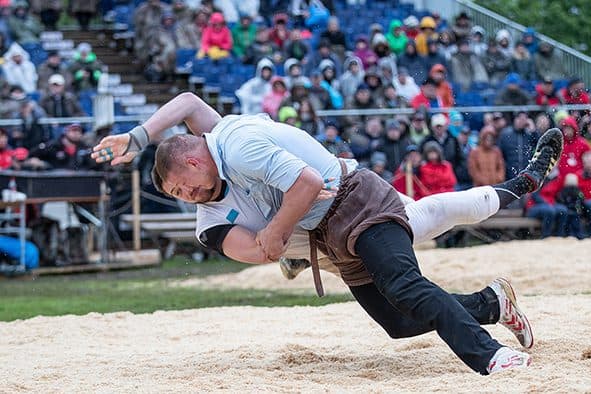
(138,139)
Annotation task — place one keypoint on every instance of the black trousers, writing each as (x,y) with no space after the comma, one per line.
(406,304)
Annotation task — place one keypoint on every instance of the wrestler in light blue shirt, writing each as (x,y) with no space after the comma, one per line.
(265,158)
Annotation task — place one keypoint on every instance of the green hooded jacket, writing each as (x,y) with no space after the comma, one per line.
(397,43)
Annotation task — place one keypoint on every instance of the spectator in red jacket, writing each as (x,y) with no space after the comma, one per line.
(279,33)
(542,205)
(574,92)
(411,164)
(216,41)
(9,157)
(574,147)
(428,97)
(546,94)
(436,174)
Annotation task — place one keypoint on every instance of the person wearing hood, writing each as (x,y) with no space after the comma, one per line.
(497,65)
(363,52)
(462,26)
(433,56)
(411,27)
(329,74)
(374,82)
(456,123)
(512,93)
(289,116)
(546,94)
(387,69)
(548,63)
(243,34)
(336,37)
(394,144)
(261,48)
(320,91)
(299,92)
(293,70)
(444,89)
(30,133)
(352,76)
(396,37)
(216,41)
(505,42)
(25,29)
(485,162)
(530,40)
(405,85)
(477,41)
(323,52)
(19,70)
(574,92)
(436,174)
(575,147)
(517,143)
(522,62)
(251,93)
(427,26)
(466,67)
(413,62)
(273,99)
(85,68)
(380,47)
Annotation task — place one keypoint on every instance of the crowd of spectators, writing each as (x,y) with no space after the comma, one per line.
(305,63)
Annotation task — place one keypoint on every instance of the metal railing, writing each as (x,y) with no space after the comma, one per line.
(335,113)
(576,63)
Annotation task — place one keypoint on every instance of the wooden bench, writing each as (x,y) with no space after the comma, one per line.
(173,227)
(507,221)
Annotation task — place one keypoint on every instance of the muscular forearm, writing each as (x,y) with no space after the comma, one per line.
(186,107)
(240,245)
(297,201)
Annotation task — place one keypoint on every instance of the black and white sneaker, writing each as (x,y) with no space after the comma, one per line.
(547,153)
(290,268)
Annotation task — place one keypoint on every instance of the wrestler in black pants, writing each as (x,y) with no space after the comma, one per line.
(406,304)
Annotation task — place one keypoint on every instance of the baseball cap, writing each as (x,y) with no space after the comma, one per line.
(57,79)
(497,115)
(392,124)
(438,120)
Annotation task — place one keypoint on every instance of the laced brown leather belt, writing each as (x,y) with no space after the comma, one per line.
(314,249)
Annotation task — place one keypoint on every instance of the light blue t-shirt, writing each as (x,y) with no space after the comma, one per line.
(265,158)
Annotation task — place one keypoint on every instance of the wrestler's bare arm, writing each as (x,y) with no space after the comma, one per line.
(186,107)
(240,244)
(297,201)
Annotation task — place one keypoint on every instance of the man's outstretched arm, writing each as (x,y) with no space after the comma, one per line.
(186,107)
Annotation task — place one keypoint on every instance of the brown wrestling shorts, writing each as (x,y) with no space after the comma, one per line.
(363,199)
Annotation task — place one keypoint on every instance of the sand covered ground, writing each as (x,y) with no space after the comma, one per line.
(334,348)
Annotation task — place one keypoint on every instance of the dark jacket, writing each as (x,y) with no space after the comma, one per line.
(415,64)
(517,147)
(56,155)
(63,106)
(395,151)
